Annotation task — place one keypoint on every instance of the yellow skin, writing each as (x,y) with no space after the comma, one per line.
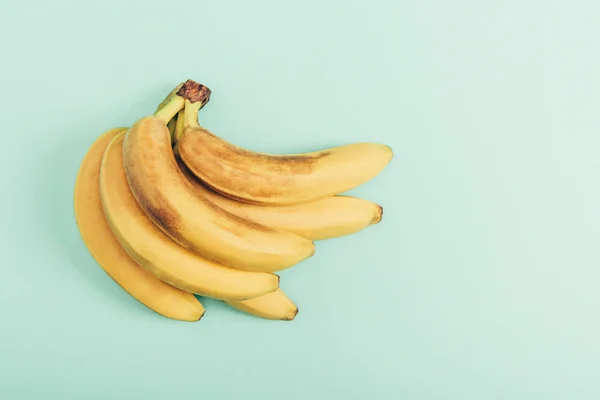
(157,253)
(275,305)
(261,178)
(326,218)
(155,294)
(170,201)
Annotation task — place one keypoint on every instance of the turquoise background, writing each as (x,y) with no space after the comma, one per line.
(480,283)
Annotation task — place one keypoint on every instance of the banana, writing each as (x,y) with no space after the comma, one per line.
(326,218)
(169,200)
(262,178)
(160,255)
(155,294)
(274,305)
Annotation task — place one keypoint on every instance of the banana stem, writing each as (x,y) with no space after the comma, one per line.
(170,96)
(170,108)
(172,122)
(191,114)
(188,91)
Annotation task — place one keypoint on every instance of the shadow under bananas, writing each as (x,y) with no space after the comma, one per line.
(56,188)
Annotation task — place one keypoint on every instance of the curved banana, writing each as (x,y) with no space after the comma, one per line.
(168,198)
(157,253)
(155,294)
(274,305)
(327,218)
(261,178)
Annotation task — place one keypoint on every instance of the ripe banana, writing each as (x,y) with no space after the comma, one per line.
(326,218)
(106,250)
(156,252)
(169,200)
(274,305)
(261,178)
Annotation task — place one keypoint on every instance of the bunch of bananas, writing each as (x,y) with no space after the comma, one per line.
(170,210)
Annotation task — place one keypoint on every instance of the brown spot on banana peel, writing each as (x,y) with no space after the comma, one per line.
(160,213)
(293,164)
(191,149)
(239,220)
(158,209)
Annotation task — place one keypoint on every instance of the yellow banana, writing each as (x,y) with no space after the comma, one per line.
(275,305)
(169,200)
(106,250)
(326,218)
(156,252)
(261,178)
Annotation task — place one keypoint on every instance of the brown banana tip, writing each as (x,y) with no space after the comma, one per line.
(291,315)
(201,315)
(278,279)
(194,92)
(378,215)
